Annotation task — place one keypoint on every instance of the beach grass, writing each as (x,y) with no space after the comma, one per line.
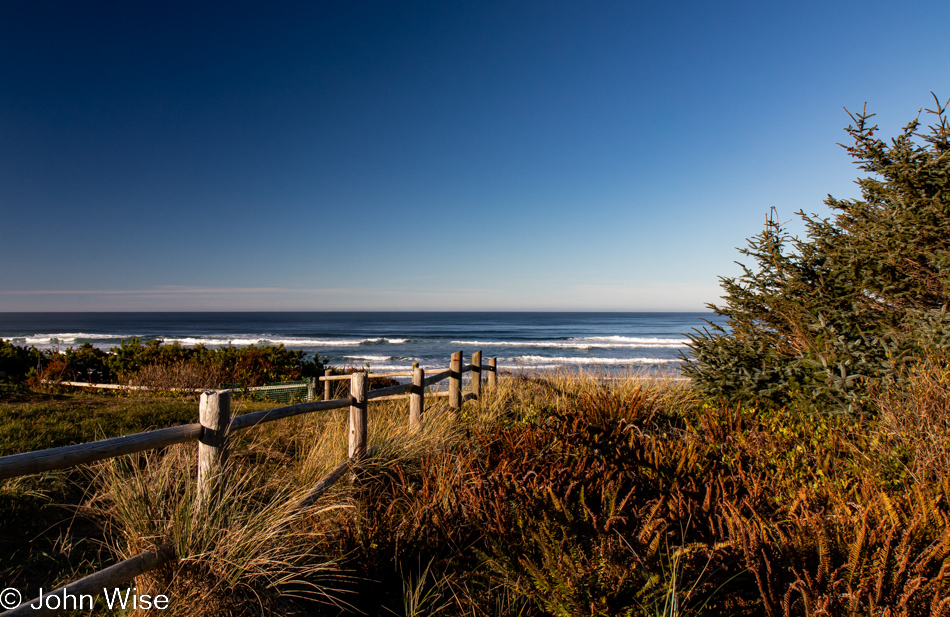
(556,494)
(47,535)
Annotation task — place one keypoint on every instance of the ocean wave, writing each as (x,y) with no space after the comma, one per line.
(600,342)
(634,339)
(370,358)
(539,367)
(382,366)
(61,338)
(287,341)
(594,361)
(240,340)
(429,368)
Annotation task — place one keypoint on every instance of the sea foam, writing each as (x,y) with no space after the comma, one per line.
(592,361)
(593,342)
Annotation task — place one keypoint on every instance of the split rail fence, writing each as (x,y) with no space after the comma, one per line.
(212,431)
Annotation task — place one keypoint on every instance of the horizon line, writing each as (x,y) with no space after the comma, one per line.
(2,312)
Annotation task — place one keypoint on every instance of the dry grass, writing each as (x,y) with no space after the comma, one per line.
(180,375)
(255,551)
(564,495)
(917,419)
(251,547)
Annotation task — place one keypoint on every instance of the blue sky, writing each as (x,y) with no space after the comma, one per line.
(428,155)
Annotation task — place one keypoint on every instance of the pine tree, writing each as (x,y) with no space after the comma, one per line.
(816,321)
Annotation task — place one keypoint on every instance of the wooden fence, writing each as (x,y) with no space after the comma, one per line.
(212,433)
(281,389)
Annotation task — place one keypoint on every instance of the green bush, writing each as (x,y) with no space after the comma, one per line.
(132,359)
(16,362)
(248,366)
(816,321)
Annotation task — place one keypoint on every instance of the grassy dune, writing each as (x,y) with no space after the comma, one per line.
(552,496)
(47,534)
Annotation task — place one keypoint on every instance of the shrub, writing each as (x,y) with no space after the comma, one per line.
(16,362)
(817,320)
(161,364)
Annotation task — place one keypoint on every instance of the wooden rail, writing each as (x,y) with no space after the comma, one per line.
(213,432)
(112,386)
(269,415)
(107,578)
(370,375)
(129,387)
(69,456)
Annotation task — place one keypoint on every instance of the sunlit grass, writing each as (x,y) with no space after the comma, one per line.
(558,494)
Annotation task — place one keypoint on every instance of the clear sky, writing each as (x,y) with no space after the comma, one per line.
(428,155)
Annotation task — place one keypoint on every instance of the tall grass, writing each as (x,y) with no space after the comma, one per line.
(916,419)
(254,551)
(248,552)
(564,495)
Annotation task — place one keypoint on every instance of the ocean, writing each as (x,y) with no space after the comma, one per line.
(388,341)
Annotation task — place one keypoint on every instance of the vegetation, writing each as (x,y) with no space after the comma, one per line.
(43,420)
(585,499)
(552,496)
(159,365)
(16,362)
(47,536)
(817,321)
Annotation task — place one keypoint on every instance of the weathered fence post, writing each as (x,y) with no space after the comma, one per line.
(417,400)
(311,389)
(455,382)
(493,372)
(477,374)
(358,389)
(214,414)
(326,384)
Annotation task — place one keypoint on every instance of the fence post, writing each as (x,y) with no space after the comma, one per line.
(417,398)
(214,413)
(326,384)
(358,389)
(312,389)
(477,374)
(455,382)
(492,372)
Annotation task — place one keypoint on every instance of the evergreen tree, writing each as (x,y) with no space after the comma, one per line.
(815,321)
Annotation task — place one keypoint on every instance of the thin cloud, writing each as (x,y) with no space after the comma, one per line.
(583,297)
(165,290)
